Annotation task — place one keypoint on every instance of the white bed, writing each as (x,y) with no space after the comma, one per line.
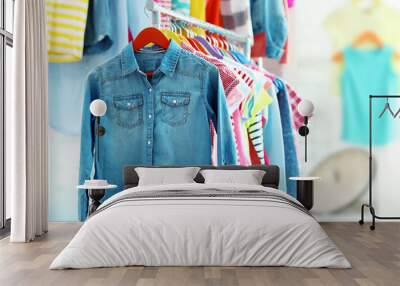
(224,225)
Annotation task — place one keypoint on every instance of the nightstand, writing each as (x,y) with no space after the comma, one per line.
(96,190)
(305,190)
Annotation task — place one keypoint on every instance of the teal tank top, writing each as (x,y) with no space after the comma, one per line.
(368,72)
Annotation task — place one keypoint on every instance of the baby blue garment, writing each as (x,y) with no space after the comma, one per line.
(66,80)
(268,18)
(291,162)
(367,72)
(273,140)
(164,120)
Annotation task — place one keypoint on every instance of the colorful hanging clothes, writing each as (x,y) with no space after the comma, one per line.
(367,72)
(294,99)
(252,111)
(249,108)
(236,16)
(232,83)
(66,23)
(236,90)
(148,121)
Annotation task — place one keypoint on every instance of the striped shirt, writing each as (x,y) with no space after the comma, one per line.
(256,136)
(165,22)
(66,23)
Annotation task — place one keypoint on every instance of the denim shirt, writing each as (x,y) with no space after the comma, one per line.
(99,31)
(161,121)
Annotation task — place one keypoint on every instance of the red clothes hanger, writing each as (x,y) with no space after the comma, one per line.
(363,38)
(150,35)
(147,36)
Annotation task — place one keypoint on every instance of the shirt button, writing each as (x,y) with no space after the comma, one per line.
(148,142)
(149,116)
(150,90)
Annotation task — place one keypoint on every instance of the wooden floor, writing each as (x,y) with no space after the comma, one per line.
(375,257)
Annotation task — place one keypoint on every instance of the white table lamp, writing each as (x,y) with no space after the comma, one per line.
(98,109)
(306,109)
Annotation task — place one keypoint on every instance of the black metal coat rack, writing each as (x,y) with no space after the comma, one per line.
(370,201)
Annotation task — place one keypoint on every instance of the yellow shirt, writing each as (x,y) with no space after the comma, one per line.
(349,21)
(198,9)
(346,23)
(66,23)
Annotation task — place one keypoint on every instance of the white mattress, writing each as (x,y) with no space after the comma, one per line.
(189,231)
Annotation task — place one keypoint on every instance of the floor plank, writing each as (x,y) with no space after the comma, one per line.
(375,257)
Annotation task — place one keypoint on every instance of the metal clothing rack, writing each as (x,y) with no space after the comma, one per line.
(157,10)
(370,202)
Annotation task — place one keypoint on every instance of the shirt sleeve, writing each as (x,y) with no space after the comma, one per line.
(99,28)
(216,99)
(276,29)
(87,144)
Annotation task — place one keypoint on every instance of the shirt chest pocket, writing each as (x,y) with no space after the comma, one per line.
(175,107)
(128,110)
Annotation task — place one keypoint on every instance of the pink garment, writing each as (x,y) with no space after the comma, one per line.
(243,156)
(214,154)
(230,80)
(290,3)
(294,100)
(164,19)
(233,91)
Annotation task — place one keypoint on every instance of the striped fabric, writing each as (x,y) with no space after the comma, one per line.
(165,23)
(66,23)
(256,135)
(294,101)
(181,6)
(236,16)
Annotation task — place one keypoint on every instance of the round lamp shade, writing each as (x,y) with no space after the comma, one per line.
(306,108)
(98,107)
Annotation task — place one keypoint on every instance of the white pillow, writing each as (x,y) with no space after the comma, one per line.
(248,177)
(166,176)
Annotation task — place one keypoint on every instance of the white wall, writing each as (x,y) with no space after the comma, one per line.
(310,72)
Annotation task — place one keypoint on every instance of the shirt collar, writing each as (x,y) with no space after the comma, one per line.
(168,63)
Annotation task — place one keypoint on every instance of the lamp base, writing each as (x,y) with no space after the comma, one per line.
(101,131)
(304,131)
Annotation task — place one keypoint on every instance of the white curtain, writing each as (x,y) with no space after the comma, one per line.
(26,119)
